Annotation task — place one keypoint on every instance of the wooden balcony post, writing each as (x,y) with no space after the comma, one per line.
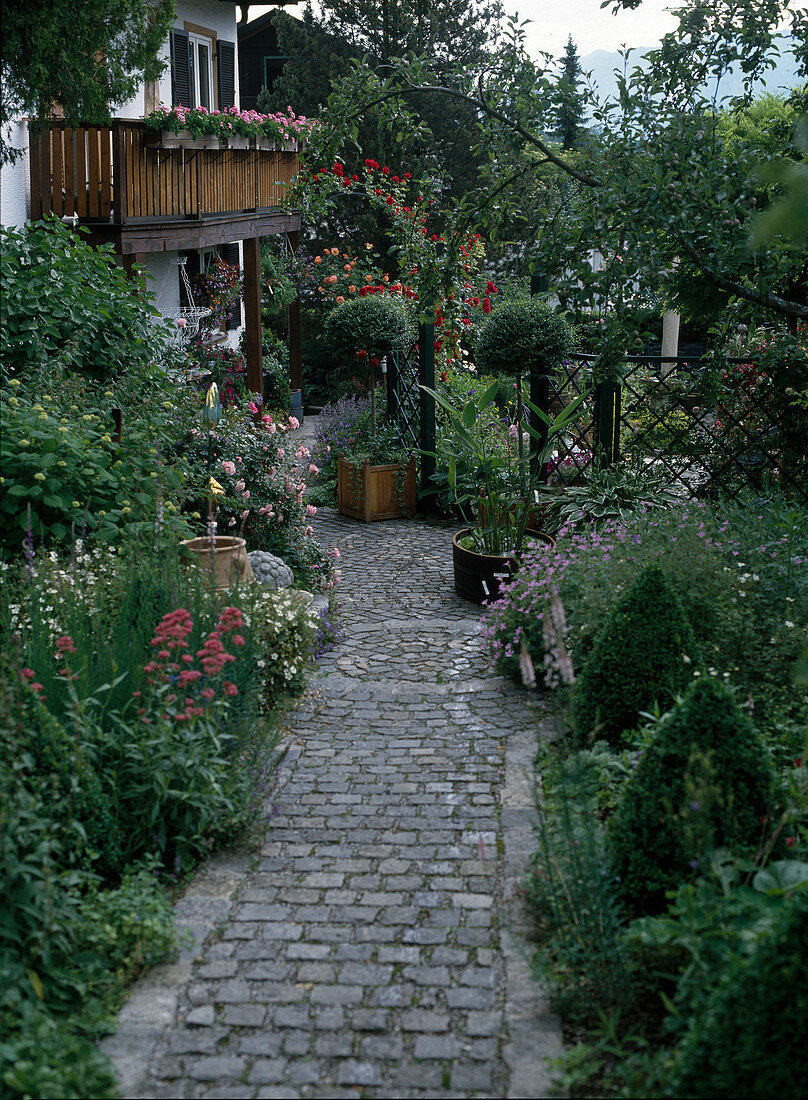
(252,314)
(120,198)
(295,346)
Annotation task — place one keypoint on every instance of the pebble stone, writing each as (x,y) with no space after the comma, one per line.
(363,954)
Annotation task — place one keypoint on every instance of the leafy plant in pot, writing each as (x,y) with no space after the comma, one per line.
(499,486)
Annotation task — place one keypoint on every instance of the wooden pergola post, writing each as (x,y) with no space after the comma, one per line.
(252,315)
(295,346)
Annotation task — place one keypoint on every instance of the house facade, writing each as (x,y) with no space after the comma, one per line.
(162,200)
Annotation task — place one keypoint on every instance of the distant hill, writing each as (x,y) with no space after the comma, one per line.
(601,64)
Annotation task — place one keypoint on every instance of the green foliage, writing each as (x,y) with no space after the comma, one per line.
(750,1040)
(372,323)
(43,1056)
(573,897)
(704,781)
(66,302)
(63,465)
(641,656)
(738,1012)
(61,772)
(614,493)
(736,570)
(277,391)
(524,335)
(55,58)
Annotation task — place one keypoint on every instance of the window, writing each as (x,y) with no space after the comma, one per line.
(200,61)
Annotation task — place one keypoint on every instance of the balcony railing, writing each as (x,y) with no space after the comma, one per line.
(120,173)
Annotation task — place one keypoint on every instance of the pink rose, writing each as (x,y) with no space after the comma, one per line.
(229,467)
(294,422)
(314,469)
(311,510)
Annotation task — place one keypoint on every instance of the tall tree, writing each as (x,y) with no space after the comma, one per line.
(85,58)
(660,190)
(325,46)
(570,98)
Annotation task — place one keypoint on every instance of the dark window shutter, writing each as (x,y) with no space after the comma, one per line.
(227,75)
(180,70)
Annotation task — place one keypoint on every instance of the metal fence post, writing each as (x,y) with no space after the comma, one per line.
(607,424)
(426,377)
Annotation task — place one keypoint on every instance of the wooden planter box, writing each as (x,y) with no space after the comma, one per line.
(376,492)
(167,139)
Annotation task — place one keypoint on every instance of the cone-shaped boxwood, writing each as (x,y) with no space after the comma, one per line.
(643,655)
(752,1038)
(704,781)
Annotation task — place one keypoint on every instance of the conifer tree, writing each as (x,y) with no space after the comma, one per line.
(570,111)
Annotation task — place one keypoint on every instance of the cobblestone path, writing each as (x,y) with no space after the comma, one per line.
(362,956)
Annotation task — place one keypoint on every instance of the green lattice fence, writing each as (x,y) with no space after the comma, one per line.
(710,433)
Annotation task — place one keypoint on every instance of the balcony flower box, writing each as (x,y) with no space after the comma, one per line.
(184,139)
(235,141)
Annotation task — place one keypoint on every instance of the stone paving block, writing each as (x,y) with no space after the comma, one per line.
(336,995)
(370,1019)
(220,1067)
(417,1019)
(244,1015)
(352,1072)
(267,1071)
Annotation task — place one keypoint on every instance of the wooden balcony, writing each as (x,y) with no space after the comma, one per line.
(121,182)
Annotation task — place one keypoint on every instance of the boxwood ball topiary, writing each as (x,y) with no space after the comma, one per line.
(704,781)
(373,322)
(751,1040)
(638,659)
(524,335)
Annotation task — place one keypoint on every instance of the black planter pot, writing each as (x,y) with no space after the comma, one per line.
(477,577)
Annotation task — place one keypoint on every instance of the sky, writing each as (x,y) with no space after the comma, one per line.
(592,28)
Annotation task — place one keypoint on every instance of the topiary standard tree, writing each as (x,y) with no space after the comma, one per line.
(752,1036)
(640,657)
(525,334)
(373,322)
(705,781)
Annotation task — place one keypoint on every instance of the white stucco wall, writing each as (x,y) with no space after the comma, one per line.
(15,185)
(217,17)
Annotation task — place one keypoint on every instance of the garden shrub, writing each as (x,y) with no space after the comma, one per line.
(613,494)
(375,322)
(526,335)
(287,632)
(704,781)
(751,1038)
(573,897)
(739,571)
(59,771)
(642,655)
(64,473)
(67,302)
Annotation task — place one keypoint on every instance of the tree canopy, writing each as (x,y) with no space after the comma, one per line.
(670,182)
(83,59)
